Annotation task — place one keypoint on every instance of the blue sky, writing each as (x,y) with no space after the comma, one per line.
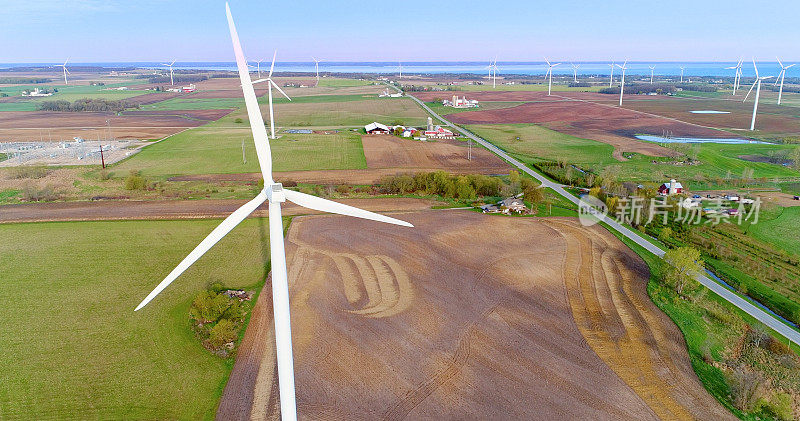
(412,30)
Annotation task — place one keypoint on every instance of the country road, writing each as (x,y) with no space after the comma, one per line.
(746,306)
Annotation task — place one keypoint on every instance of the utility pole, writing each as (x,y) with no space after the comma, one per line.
(469,153)
(102,158)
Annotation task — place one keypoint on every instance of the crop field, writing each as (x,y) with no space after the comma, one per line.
(348,113)
(229,87)
(72,345)
(55,126)
(717,160)
(383,151)
(195,103)
(65,93)
(217,150)
(551,322)
(440,109)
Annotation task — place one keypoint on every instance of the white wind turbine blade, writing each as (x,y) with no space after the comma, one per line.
(325,205)
(779,62)
(251,103)
(779,77)
(755,67)
(279,89)
(259,81)
(751,90)
(272,67)
(220,231)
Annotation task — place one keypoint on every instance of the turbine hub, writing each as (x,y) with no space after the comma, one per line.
(275,193)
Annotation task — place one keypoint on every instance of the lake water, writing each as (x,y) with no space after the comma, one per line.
(728,141)
(590,68)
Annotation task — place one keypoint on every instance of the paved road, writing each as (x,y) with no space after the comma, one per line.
(746,306)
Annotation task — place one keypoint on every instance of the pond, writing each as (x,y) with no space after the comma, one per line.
(729,141)
(709,112)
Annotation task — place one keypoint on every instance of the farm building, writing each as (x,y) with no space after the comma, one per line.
(188,89)
(506,206)
(462,102)
(673,187)
(437,132)
(376,128)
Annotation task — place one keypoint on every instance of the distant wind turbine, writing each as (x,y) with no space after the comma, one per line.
(652,69)
(550,75)
(611,78)
(270,84)
(682,68)
(171,80)
(258,66)
(622,85)
(400,66)
(575,71)
(275,194)
(316,66)
(493,72)
(64,67)
(737,76)
(781,76)
(757,85)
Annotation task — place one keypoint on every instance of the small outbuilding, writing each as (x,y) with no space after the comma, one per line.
(673,187)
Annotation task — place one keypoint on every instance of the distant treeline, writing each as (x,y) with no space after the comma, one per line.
(415,88)
(177,78)
(659,88)
(87,105)
(793,89)
(441,183)
(24,80)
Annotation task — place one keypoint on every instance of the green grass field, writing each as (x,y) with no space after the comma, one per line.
(65,93)
(187,103)
(717,160)
(538,87)
(73,348)
(342,83)
(212,150)
(440,109)
(781,230)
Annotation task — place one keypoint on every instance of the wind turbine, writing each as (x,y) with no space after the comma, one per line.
(493,72)
(737,75)
(549,75)
(575,71)
(400,67)
(622,85)
(275,194)
(781,76)
(652,69)
(611,78)
(270,84)
(316,66)
(757,85)
(171,80)
(258,66)
(682,68)
(64,67)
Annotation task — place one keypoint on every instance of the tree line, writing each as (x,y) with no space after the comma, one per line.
(87,105)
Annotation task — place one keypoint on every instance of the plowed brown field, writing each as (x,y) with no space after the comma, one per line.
(467,316)
(382,151)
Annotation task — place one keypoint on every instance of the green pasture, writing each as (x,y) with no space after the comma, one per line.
(342,83)
(537,86)
(73,348)
(65,92)
(780,230)
(717,160)
(213,150)
(442,110)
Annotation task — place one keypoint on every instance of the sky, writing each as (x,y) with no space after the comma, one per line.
(47,31)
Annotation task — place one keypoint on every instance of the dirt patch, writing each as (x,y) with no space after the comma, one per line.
(383,151)
(777,198)
(393,323)
(178,209)
(152,98)
(18,126)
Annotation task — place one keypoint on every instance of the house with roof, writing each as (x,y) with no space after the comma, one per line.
(506,206)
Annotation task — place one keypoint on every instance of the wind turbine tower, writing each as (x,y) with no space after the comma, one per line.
(781,76)
(575,71)
(171,80)
(622,84)
(270,84)
(64,68)
(757,85)
(611,78)
(682,68)
(549,75)
(737,75)
(275,194)
(316,67)
(652,69)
